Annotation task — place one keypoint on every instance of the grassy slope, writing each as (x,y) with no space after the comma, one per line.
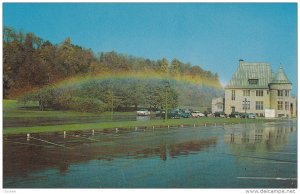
(10,109)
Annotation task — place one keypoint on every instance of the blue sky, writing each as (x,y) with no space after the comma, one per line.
(213,36)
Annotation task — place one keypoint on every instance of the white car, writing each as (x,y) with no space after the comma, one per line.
(196,114)
(252,116)
(143,112)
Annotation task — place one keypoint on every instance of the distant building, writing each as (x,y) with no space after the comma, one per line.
(254,88)
(217,105)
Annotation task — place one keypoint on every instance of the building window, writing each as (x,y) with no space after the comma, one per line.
(259,105)
(233,95)
(279,105)
(279,92)
(259,93)
(253,81)
(287,92)
(246,92)
(286,104)
(258,138)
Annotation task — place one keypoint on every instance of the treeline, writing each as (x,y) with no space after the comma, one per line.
(106,95)
(30,63)
(122,94)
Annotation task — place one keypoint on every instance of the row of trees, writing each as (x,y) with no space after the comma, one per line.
(115,62)
(123,94)
(107,94)
(30,63)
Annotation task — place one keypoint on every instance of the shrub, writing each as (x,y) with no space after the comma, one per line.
(87,105)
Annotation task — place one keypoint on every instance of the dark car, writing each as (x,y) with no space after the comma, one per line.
(176,114)
(220,114)
(179,113)
(248,115)
(234,115)
(244,115)
(172,114)
(184,114)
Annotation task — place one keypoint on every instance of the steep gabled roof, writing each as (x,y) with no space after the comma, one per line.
(251,71)
(280,77)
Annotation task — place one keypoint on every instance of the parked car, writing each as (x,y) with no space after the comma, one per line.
(143,112)
(220,114)
(252,116)
(184,114)
(197,114)
(172,114)
(244,115)
(176,114)
(234,115)
(248,115)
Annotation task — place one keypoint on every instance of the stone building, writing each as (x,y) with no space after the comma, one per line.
(217,105)
(254,88)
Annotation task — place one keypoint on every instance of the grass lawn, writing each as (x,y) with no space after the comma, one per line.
(127,124)
(11,110)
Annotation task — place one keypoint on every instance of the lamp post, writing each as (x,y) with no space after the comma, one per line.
(112,105)
(167,85)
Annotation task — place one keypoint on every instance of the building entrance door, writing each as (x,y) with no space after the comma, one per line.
(233,109)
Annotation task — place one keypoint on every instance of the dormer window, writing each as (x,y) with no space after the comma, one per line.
(253,81)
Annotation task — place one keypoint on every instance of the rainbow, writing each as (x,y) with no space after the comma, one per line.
(186,79)
(139,75)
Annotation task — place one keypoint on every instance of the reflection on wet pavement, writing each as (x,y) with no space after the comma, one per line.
(40,121)
(26,156)
(230,155)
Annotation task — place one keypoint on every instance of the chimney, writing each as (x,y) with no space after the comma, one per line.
(241,61)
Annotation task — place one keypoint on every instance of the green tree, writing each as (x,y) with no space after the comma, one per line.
(164,66)
(44,97)
(73,59)
(115,61)
(175,67)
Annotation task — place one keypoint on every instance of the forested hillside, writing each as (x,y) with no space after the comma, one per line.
(32,66)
